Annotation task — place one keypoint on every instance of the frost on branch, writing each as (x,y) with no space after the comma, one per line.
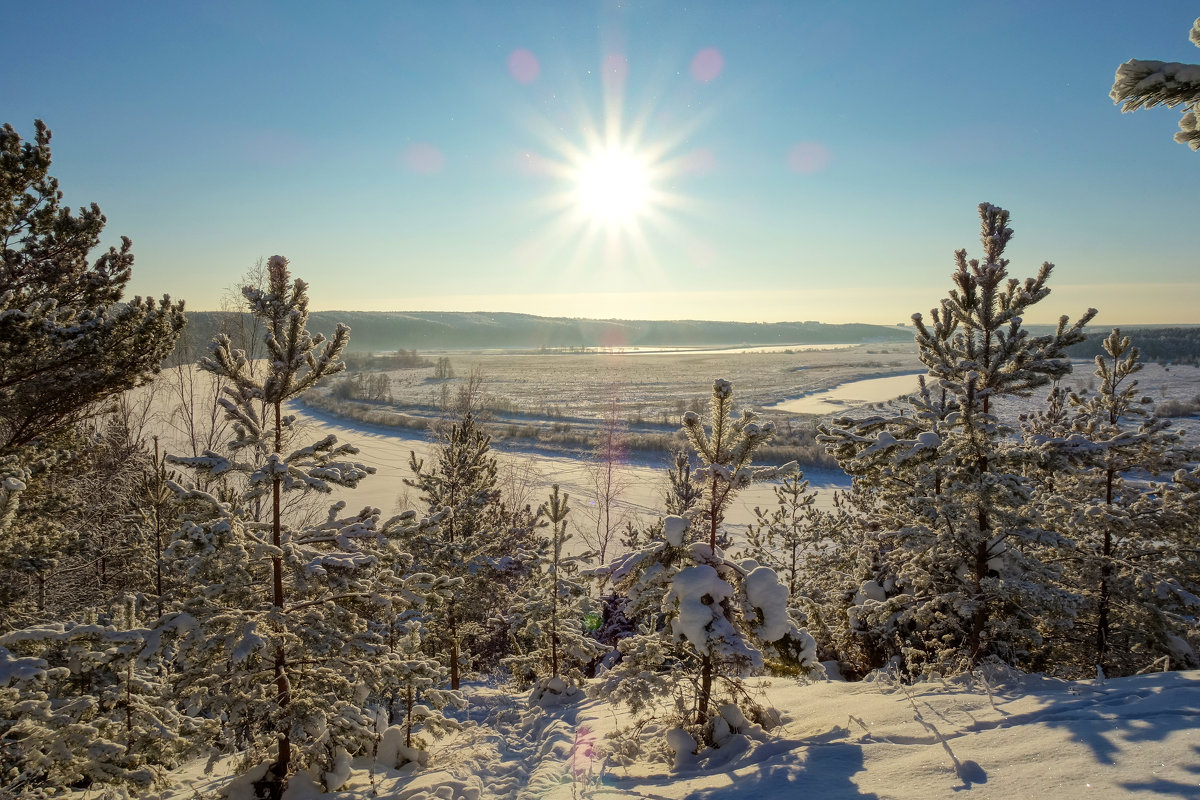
(1145,84)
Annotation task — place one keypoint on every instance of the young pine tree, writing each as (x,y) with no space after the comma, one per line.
(1105,449)
(548,618)
(705,620)
(809,549)
(413,684)
(476,540)
(259,597)
(951,530)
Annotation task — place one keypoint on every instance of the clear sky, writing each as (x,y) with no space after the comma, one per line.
(787,160)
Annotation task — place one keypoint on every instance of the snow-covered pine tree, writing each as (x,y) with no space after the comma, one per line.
(476,539)
(1182,496)
(263,598)
(784,536)
(548,617)
(811,552)
(412,684)
(683,493)
(67,338)
(705,620)
(83,706)
(893,459)
(156,518)
(1105,452)
(947,507)
(72,548)
(1145,84)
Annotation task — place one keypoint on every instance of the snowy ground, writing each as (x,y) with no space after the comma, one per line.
(1003,737)
(654,384)
(387,449)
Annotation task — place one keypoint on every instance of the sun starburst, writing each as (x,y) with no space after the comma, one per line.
(614,201)
(613,187)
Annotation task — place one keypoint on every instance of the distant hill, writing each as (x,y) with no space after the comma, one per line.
(442,330)
(1165,345)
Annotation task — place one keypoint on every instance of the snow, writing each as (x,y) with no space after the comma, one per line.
(673,530)
(392,752)
(554,692)
(1002,735)
(681,743)
(769,596)
(698,618)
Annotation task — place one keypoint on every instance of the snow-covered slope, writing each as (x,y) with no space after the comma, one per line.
(1009,736)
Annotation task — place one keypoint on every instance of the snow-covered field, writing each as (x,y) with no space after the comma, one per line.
(387,449)
(653,384)
(1001,736)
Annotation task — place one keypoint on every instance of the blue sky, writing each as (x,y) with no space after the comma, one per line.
(802,160)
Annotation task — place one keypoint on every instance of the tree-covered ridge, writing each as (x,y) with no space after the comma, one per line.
(387,331)
(1164,345)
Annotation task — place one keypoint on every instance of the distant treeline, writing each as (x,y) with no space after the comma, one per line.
(387,331)
(1162,345)
(399,359)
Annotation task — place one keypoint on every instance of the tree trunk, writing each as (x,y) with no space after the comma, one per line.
(704,696)
(279,770)
(452,623)
(1102,624)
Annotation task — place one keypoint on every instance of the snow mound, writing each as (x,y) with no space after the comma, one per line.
(393,752)
(552,692)
(697,618)
(673,530)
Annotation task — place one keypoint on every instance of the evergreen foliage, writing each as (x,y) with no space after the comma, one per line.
(83,705)
(476,540)
(418,698)
(1103,453)
(812,554)
(945,504)
(704,619)
(68,339)
(1145,84)
(74,546)
(262,597)
(550,616)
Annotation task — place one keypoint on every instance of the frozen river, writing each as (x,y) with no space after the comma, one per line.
(847,395)
(388,451)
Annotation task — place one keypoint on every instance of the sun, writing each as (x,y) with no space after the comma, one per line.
(612,186)
(613,195)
